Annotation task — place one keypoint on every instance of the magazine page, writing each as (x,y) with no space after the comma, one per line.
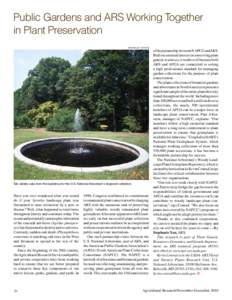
(115,153)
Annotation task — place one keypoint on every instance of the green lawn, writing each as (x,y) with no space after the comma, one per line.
(24,171)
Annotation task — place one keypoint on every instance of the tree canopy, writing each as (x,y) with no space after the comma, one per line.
(109,87)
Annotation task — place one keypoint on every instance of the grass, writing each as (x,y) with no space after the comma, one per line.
(23,171)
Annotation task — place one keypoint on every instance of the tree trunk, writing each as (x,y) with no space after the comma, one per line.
(114,120)
(140,116)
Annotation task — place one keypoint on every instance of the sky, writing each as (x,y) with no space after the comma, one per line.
(25,60)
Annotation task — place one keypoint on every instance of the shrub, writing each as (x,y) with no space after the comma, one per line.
(131,124)
(62,121)
(23,121)
(43,113)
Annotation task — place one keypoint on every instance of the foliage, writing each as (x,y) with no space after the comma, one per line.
(131,124)
(41,115)
(104,84)
(43,83)
(23,121)
(62,120)
(111,84)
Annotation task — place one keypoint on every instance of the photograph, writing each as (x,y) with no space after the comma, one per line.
(81,114)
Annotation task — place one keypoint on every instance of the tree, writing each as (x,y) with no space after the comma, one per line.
(138,87)
(41,84)
(105,85)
